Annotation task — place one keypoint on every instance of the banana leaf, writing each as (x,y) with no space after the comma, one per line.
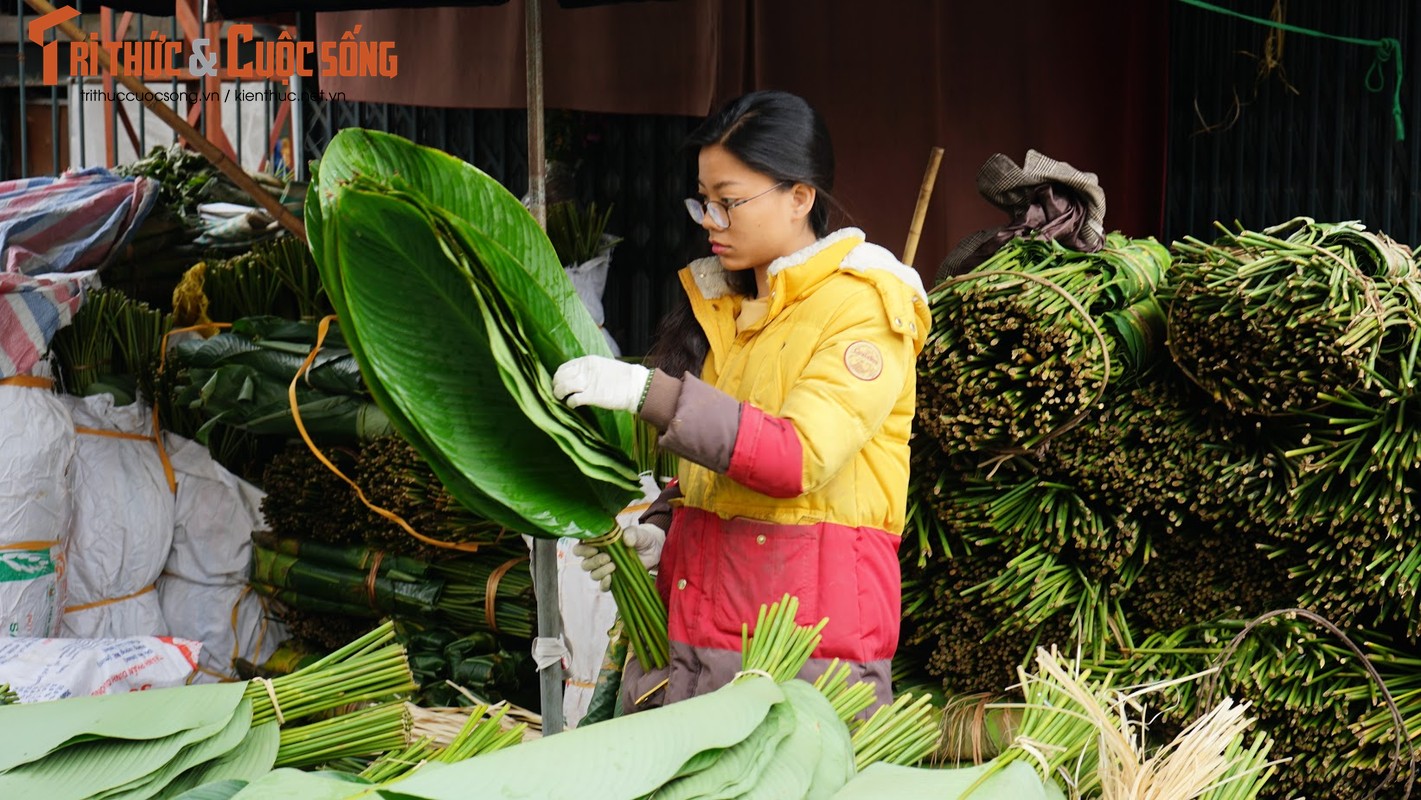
(404,235)
(32,731)
(247,399)
(320,580)
(399,265)
(1016,782)
(391,565)
(334,370)
(627,757)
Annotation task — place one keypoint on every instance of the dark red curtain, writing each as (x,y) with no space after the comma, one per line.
(1083,82)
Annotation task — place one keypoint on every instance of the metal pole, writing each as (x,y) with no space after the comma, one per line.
(21,44)
(545,551)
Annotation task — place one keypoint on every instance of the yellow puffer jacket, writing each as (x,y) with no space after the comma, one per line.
(835,357)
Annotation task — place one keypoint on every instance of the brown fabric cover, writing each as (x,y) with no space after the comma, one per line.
(1086,82)
(1044,199)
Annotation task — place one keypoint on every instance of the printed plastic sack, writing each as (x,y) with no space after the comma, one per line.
(123,523)
(36,446)
(52,669)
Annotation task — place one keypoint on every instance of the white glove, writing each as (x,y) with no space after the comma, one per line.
(602,382)
(646,539)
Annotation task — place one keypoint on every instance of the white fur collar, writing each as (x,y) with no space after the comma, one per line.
(809,251)
(867,257)
(710,275)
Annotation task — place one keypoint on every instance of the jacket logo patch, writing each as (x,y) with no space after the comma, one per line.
(864,361)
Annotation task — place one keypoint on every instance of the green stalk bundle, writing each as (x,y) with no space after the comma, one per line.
(85,347)
(634,591)
(305,499)
(366,732)
(242,286)
(776,644)
(367,669)
(467,581)
(1277,321)
(1311,695)
(1024,346)
(394,476)
(322,580)
(906,732)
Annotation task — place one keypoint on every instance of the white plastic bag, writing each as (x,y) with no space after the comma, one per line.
(52,669)
(123,523)
(36,446)
(203,591)
(589,278)
(230,621)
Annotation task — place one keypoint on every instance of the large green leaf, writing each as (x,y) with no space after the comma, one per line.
(33,730)
(324,237)
(92,768)
(199,752)
(250,760)
(396,268)
(516,252)
(218,790)
(626,757)
(293,784)
(1016,782)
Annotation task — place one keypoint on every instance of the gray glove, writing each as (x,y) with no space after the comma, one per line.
(646,539)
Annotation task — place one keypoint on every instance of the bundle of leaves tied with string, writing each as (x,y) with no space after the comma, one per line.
(1025,345)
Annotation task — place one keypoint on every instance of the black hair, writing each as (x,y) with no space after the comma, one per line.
(781,136)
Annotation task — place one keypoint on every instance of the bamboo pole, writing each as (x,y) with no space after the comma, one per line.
(925,193)
(199,142)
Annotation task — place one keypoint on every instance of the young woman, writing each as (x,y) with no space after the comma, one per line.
(787,388)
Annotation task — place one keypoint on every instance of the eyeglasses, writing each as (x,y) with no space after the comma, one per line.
(719,212)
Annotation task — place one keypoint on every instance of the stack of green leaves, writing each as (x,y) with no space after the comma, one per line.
(757,737)
(239,379)
(404,234)
(162,742)
(444,663)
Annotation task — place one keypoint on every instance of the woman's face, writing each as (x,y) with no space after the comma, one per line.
(774,224)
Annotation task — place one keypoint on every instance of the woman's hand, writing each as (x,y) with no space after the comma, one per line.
(646,539)
(602,382)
